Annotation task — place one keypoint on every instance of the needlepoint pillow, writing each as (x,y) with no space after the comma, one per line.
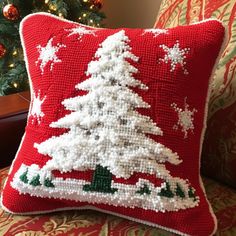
(116,122)
(219,156)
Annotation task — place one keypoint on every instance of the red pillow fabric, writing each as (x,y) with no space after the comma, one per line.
(116,122)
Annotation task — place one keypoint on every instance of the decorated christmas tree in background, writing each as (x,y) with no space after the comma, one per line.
(13,76)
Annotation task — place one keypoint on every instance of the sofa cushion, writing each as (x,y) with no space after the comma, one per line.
(87,222)
(116,122)
(219,156)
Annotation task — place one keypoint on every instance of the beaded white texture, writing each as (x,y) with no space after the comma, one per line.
(175,55)
(36,112)
(156,32)
(185,118)
(48,54)
(80,31)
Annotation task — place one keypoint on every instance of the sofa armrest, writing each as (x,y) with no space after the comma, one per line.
(13,116)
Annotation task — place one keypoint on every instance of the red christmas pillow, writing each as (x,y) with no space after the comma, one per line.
(116,122)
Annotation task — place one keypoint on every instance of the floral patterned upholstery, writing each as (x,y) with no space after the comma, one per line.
(92,223)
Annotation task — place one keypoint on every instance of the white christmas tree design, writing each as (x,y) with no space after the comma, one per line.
(81,31)
(105,124)
(109,136)
(36,108)
(175,56)
(48,54)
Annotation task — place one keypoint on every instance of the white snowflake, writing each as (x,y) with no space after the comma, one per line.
(81,31)
(36,108)
(175,55)
(48,54)
(185,117)
(155,32)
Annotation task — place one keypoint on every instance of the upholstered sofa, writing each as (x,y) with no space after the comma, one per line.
(13,114)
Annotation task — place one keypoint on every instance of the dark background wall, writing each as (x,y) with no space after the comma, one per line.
(131,13)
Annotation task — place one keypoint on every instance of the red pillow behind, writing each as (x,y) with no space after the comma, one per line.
(116,122)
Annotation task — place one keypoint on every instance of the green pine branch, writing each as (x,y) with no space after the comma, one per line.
(13,75)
